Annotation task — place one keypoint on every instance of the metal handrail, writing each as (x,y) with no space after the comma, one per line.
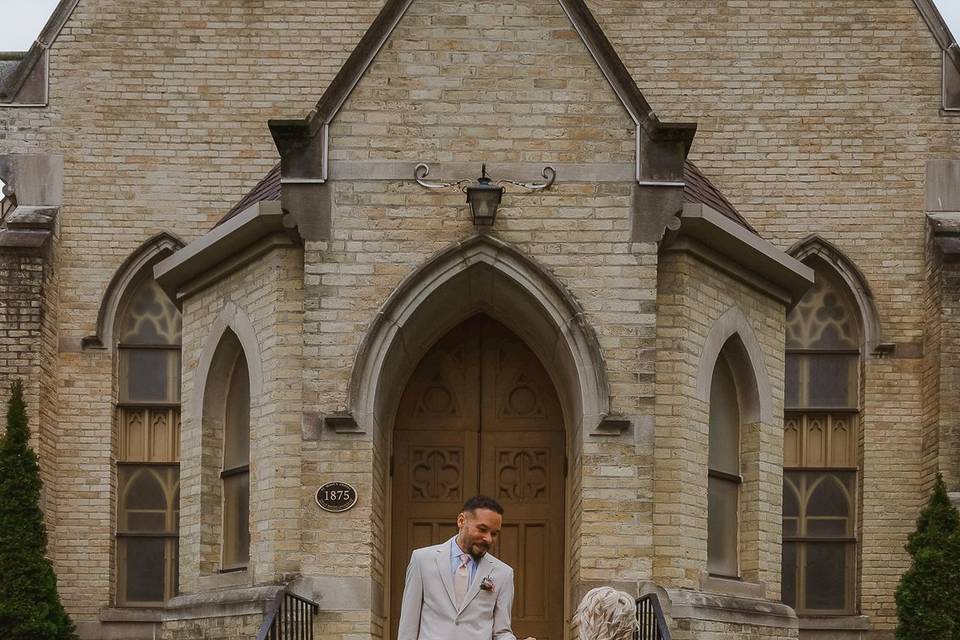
(8,203)
(290,617)
(651,625)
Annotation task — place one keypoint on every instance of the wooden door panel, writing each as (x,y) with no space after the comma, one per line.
(443,391)
(524,472)
(480,415)
(433,473)
(518,395)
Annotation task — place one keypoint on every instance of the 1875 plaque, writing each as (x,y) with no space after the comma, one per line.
(336,497)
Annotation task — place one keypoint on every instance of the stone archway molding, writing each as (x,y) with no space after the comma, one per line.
(482,274)
(749,368)
(147,254)
(813,246)
(234,319)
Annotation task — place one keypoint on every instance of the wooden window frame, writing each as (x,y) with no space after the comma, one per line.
(172,539)
(122,406)
(233,472)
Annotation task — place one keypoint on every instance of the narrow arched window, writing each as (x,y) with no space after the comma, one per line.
(724,479)
(148,418)
(823,364)
(235,474)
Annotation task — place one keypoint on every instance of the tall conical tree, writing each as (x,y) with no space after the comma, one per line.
(30,608)
(928,597)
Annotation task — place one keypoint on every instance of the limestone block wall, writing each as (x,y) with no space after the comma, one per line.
(28,315)
(815,138)
(262,304)
(470,81)
(694,298)
(234,627)
(382,232)
(160,115)
(937,372)
(713,630)
(813,116)
(426,98)
(949,423)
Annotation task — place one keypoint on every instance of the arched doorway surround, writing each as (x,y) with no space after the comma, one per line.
(489,276)
(480,275)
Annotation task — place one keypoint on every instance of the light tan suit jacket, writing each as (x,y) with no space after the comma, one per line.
(430,611)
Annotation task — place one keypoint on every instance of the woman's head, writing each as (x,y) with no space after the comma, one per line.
(607,614)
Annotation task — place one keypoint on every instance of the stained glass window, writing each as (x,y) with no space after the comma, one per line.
(820,462)
(148,474)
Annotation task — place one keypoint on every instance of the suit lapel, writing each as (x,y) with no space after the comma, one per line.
(443,566)
(483,570)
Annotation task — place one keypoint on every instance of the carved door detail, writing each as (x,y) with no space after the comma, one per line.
(480,415)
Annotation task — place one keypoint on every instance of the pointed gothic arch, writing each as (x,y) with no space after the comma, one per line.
(232,319)
(231,347)
(128,274)
(814,247)
(482,274)
(733,334)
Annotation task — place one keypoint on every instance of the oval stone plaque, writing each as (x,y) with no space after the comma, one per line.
(336,496)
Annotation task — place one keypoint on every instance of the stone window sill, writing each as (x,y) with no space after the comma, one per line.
(226,580)
(834,623)
(130,614)
(733,587)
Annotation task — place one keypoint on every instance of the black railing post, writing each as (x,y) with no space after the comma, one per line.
(651,625)
(290,617)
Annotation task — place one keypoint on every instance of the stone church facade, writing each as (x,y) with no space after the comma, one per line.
(704,350)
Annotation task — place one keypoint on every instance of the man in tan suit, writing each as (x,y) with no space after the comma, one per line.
(456,590)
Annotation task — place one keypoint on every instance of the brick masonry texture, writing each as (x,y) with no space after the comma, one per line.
(712,630)
(225,628)
(814,117)
(28,286)
(691,297)
(270,293)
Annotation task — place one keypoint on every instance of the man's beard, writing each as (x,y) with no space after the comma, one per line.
(477,556)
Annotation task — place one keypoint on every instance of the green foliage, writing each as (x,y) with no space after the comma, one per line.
(30,607)
(928,597)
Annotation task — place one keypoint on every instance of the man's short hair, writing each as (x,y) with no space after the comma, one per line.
(482,502)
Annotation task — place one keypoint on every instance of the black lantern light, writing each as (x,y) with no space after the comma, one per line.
(484,198)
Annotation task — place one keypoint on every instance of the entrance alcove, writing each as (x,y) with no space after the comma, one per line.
(480,415)
(482,287)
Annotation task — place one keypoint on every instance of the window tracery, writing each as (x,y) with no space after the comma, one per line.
(148,416)
(823,363)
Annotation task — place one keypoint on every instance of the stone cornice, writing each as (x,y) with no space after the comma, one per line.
(224,249)
(745,255)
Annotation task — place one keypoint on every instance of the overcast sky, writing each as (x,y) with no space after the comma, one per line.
(23,20)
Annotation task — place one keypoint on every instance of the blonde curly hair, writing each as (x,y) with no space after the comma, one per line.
(607,614)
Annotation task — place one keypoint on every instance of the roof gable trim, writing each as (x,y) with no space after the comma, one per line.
(11,86)
(295,136)
(938,27)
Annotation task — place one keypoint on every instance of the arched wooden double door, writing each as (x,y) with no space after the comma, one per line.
(480,415)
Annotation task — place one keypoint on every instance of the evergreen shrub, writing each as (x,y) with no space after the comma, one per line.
(30,608)
(928,597)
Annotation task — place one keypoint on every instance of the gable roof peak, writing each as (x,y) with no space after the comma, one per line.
(293,137)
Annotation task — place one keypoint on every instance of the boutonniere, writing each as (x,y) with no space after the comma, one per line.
(486,584)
